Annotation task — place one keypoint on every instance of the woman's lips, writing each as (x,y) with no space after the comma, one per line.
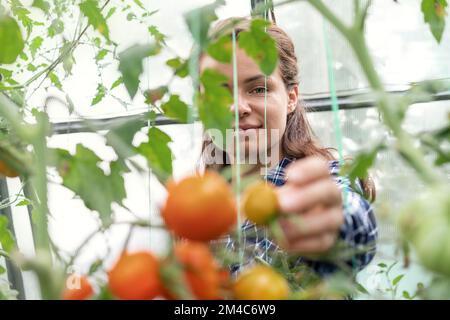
(248,128)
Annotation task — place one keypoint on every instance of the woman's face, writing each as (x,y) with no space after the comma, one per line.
(251,100)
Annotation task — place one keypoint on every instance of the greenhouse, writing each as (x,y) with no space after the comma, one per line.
(224,150)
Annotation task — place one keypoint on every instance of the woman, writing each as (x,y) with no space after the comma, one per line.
(306,173)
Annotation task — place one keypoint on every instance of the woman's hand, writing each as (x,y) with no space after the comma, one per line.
(313,203)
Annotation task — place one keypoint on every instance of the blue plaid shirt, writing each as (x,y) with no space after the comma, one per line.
(358,233)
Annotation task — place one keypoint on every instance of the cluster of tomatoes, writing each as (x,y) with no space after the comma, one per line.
(198,209)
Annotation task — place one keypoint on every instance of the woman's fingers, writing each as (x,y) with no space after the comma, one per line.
(315,222)
(307,170)
(312,245)
(298,199)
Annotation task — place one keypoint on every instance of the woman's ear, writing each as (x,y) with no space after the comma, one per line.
(292,98)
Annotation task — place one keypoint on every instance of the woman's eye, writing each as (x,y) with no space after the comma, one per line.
(259,90)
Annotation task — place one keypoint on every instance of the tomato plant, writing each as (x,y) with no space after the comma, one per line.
(40,43)
(200,207)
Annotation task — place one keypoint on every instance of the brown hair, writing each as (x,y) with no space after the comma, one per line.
(298,140)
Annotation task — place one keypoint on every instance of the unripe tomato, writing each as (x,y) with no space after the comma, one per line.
(200,268)
(77,288)
(200,208)
(260,282)
(426,224)
(260,203)
(135,276)
(6,171)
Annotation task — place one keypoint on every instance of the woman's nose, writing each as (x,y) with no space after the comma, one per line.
(244,108)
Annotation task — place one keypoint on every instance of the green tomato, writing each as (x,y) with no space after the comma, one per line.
(426,224)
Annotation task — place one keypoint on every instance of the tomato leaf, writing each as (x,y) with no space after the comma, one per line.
(221,49)
(11,40)
(359,167)
(56,27)
(131,66)
(6,238)
(214,103)
(158,154)
(81,174)
(175,108)
(434,13)
(156,94)
(159,37)
(95,18)
(397,279)
(117,83)
(179,66)
(101,92)
(35,45)
(101,54)
(54,79)
(41,4)
(260,46)
(199,20)
(120,137)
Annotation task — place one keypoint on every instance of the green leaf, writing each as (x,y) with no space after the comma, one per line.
(56,27)
(81,174)
(41,4)
(24,202)
(214,103)
(6,238)
(2,271)
(116,83)
(101,54)
(11,40)
(6,293)
(101,92)
(361,288)
(35,45)
(121,136)
(221,49)
(406,295)
(175,108)
(159,37)
(67,56)
(359,167)
(260,46)
(382,265)
(55,80)
(95,17)
(97,265)
(158,154)
(397,279)
(179,66)
(131,64)
(156,94)
(21,14)
(199,20)
(111,11)
(139,3)
(434,13)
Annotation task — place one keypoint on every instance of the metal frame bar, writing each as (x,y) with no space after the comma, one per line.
(346,102)
(14,274)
